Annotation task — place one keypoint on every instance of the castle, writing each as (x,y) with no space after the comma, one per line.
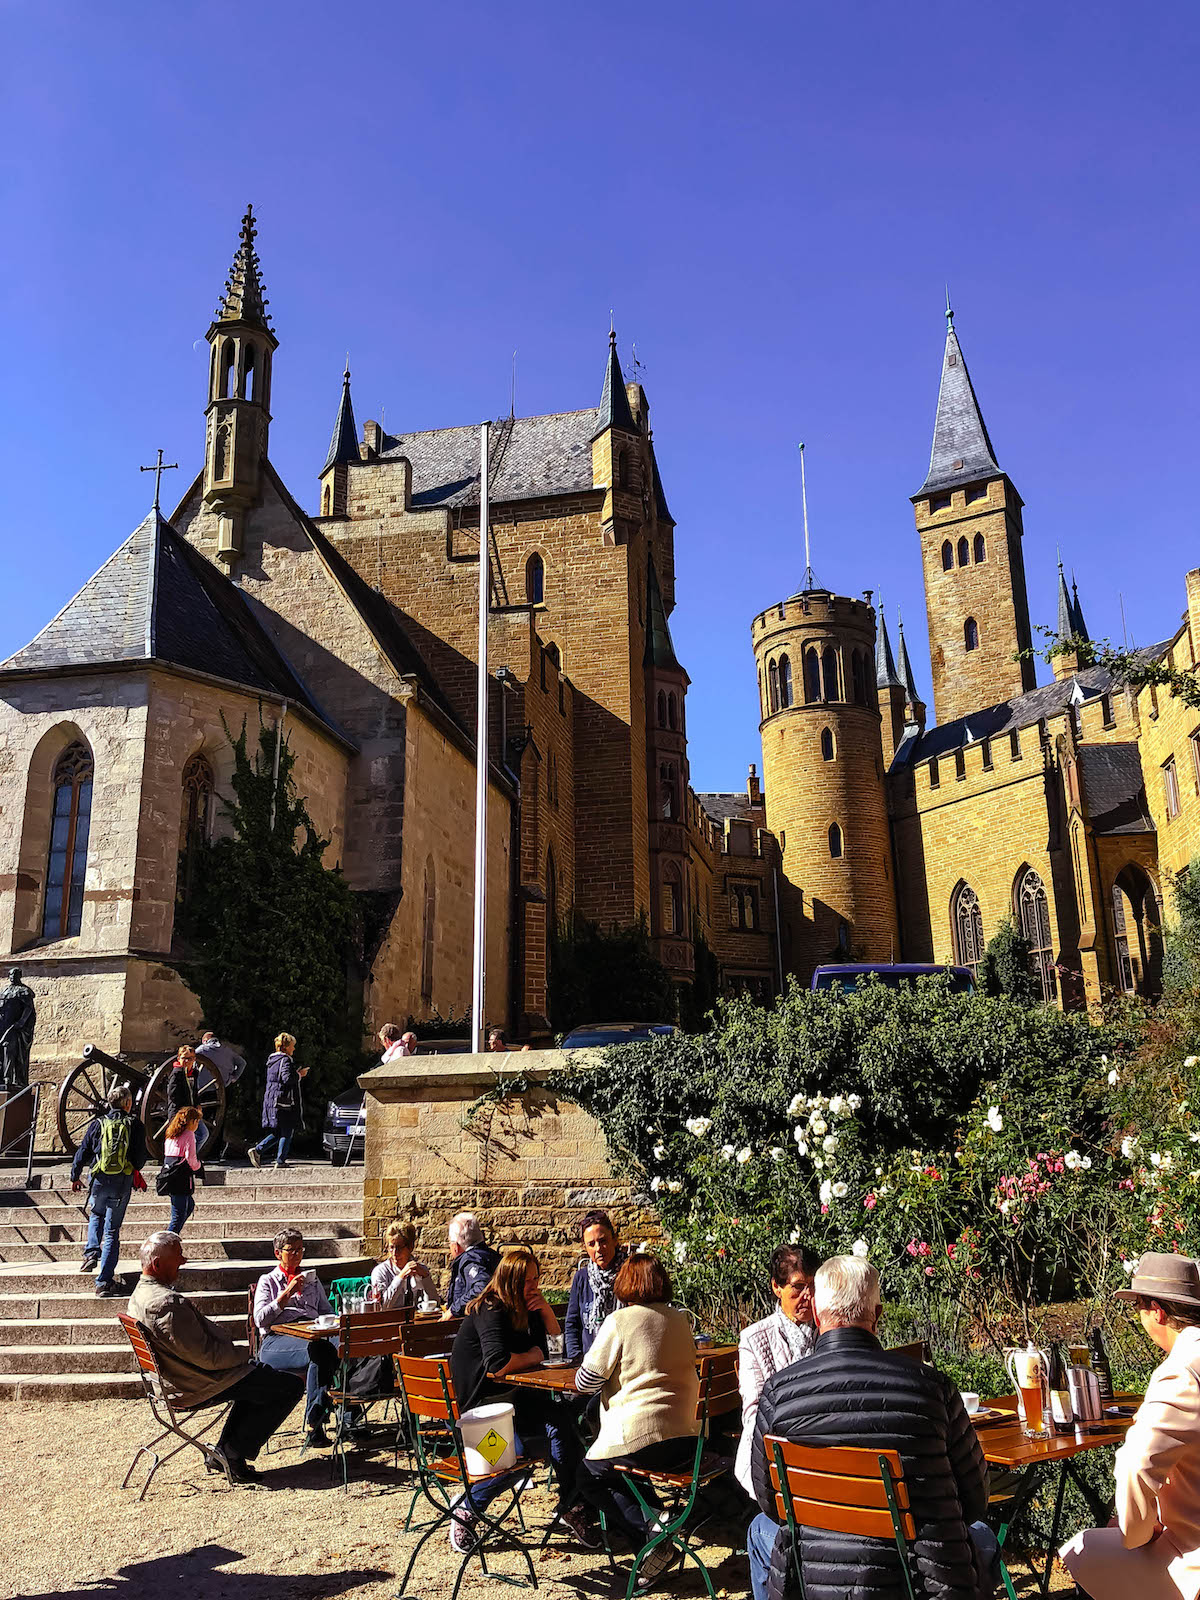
(351,632)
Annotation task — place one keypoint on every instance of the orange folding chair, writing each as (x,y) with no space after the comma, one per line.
(155,1389)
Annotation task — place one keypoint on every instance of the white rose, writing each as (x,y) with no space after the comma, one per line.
(727,1152)
(1190,1061)
(854,1101)
(860,1248)
(698,1126)
(836,1105)
(1005,1207)
(819,1163)
(879,1172)
(1167,1160)
(826,1192)
(1113,1078)
(1194,1137)
(794,1236)
(797,1106)
(818,1125)
(840,1191)
(1072,1159)
(883,1189)
(743,1155)
(829,1143)
(660,1152)
(1155,1159)
(1086,1163)
(801,1142)
(655,1185)
(994,1119)
(680,1249)
(1128,1145)
(1103,1061)
(776,1152)
(1130,1266)
(674,1185)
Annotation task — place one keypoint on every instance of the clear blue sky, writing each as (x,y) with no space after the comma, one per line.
(770,196)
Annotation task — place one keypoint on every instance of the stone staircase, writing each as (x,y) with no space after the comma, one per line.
(58,1341)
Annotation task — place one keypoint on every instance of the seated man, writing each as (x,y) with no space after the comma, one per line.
(850,1391)
(202,1366)
(286,1294)
(1151,1548)
(471,1263)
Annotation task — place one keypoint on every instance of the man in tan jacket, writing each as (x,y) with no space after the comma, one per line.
(1151,1549)
(201,1365)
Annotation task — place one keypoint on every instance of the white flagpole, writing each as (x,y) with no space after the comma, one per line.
(481,752)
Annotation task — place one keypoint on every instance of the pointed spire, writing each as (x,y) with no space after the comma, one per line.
(962,451)
(614,402)
(1079,626)
(662,509)
(1066,617)
(343,446)
(885,662)
(243,300)
(904,668)
(659,652)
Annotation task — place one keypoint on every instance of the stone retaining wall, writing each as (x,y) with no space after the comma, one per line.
(527,1164)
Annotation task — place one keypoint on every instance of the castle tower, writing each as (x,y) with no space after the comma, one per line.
(343,453)
(890,689)
(667,786)
(914,706)
(239,396)
(823,773)
(1071,630)
(617,454)
(968,515)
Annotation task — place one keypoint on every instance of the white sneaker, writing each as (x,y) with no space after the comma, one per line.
(462,1529)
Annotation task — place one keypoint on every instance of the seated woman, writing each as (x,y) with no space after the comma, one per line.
(400,1279)
(592,1294)
(787,1335)
(643,1365)
(287,1294)
(506,1329)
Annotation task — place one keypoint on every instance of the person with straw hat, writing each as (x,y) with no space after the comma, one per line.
(1151,1548)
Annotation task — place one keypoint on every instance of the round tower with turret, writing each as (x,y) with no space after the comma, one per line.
(823,773)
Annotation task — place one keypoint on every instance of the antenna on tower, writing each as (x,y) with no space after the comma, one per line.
(512,398)
(810,581)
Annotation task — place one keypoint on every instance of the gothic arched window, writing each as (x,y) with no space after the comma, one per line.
(980,548)
(248,374)
(428,918)
(964,552)
(672,900)
(773,682)
(829,672)
(785,682)
(195,821)
(70,822)
(662,709)
(666,777)
(672,711)
(326,500)
(623,469)
(835,841)
(826,744)
(535,580)
(947,557)
(966,923)
(971,634)
(228,369)
(1033,910)
(812,677)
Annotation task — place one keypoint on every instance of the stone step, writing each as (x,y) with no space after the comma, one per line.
(81,1306)
(231,1177)
(55,1277)
(53,1360)
(97,1330)
(231,1241)
(271,1215)
(73,1386)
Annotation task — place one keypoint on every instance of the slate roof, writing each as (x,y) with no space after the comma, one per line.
(544,456)
(343,446)
(962,452)
(885,663)
(905,668)
(1023,711)
(1115,789)
(158,599)
(731,808)
(614,409)
(659,651)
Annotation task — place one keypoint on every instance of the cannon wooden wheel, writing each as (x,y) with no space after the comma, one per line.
(210,1095)
(82,1095)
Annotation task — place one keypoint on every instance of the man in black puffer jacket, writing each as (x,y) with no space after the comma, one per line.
(850,1391)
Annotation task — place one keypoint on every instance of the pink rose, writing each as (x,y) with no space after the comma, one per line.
(869,1202)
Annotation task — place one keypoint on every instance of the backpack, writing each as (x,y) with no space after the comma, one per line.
(113,1160)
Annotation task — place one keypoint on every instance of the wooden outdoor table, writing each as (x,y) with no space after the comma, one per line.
(560,1378)
(303,1330)
(1005,1445)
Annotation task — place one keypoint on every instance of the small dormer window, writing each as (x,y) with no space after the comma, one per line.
(978,492)
(940,502)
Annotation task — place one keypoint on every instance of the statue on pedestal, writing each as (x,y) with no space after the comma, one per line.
(18,1016)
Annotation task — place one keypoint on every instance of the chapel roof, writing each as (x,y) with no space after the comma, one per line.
(550,455)
(1115,788)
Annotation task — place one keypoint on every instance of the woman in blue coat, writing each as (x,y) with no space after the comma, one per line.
(281,1103)
(592,1295)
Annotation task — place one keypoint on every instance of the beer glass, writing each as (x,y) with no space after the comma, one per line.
(1029,1370)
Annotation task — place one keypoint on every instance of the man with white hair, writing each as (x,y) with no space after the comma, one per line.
(202,1366)
(850,1391)
(472,1262)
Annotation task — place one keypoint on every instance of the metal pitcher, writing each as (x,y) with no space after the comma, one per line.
(1085,1397)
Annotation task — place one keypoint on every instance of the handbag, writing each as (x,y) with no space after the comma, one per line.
(169,1175)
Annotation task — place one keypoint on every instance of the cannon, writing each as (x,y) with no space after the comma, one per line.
(83,1094)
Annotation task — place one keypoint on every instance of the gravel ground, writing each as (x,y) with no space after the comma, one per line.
(74,1533)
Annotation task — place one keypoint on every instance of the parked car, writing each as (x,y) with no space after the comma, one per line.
(344,1116)
(594,1034)
(895,975)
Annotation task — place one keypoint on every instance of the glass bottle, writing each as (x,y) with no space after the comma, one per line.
(1101,1367)
(1060,1396)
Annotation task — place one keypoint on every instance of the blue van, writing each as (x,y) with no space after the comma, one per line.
(846,976)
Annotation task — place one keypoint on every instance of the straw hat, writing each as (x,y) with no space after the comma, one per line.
(1165,1277)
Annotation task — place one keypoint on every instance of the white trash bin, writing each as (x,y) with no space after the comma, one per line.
(488,1438)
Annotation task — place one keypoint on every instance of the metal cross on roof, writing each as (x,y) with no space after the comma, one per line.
(159,467)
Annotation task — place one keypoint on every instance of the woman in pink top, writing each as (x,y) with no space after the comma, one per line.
(179,1152)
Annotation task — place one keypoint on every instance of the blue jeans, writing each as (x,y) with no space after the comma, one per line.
(761,1542)
(316,1360)
(182,1206)
(280,1140)
(110,1197)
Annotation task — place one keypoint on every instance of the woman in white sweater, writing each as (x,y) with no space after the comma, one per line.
(788,1334)
(400,1279)
(643,1365)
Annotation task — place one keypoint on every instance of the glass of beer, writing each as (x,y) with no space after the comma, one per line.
(1029,1370)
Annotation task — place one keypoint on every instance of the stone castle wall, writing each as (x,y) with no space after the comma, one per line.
(528,1166)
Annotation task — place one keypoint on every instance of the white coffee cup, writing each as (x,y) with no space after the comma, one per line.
(971,1401)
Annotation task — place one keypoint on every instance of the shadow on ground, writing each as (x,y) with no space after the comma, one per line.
(199,1574)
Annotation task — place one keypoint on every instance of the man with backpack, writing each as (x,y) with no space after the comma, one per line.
(114,1148)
